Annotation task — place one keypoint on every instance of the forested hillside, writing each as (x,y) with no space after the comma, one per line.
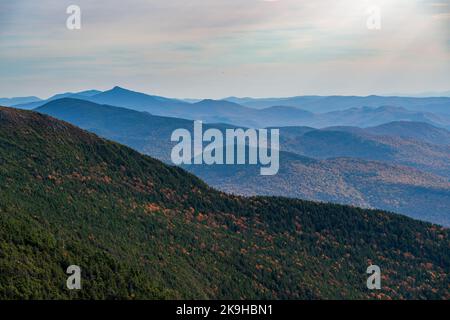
(141,229)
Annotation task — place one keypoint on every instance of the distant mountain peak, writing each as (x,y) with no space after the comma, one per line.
(125,91)
(117,88)
(209,100)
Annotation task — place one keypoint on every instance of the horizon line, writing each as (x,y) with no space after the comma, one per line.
(428,94)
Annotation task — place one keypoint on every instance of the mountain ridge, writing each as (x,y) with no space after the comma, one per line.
(151,135)
(315,111)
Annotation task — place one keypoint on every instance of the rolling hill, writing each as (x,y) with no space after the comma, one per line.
(9,102)
(367,117)
(419,131)
(142,230)
(323,104)
(216,111)
(363,144)
(37,103)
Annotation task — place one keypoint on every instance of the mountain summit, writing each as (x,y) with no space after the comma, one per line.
(122,97)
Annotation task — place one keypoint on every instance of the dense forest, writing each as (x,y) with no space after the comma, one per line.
(140,229)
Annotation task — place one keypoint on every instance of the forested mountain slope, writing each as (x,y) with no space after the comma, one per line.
(141,229)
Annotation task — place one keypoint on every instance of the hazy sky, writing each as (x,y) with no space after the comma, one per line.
(218,48)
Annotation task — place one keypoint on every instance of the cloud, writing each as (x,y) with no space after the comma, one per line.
(179,46)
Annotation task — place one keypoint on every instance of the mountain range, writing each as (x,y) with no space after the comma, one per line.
(18,100)
(394,146)
(419,131)
(314,111)
(140,229)
(378,167)
(323,104)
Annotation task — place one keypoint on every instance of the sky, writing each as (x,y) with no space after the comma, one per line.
(220,48)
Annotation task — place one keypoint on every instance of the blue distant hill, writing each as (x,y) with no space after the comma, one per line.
(314,111)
